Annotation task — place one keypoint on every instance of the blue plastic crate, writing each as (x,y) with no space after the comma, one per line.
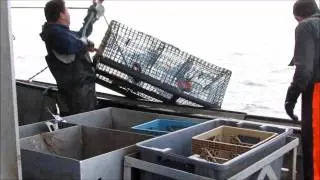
(159,127)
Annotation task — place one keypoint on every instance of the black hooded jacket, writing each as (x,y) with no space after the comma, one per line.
(67,57)
(307,53)
(306,57)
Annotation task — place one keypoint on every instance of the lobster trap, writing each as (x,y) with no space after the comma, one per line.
(143,67)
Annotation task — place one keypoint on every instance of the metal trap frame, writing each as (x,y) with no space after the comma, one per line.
(143,67)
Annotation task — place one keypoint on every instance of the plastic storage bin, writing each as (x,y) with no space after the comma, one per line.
(261,169)
(174,149)
(162,126)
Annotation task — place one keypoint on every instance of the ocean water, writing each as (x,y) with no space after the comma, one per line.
(253,39)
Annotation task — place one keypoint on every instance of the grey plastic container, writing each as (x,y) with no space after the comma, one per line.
(173,150)
(110,118)
(77,152)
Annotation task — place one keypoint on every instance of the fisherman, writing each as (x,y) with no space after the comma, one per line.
(306,81)
(68,58)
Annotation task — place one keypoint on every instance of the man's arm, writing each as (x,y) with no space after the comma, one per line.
(304,53)
(65,42)
(95,11)
(89,20)
(303,57)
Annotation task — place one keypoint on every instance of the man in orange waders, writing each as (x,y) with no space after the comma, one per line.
(306,80)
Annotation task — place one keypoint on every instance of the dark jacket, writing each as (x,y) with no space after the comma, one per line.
(67,56)
(306,80)
(307,53)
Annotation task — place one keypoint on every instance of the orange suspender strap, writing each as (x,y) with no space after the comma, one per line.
(316,131)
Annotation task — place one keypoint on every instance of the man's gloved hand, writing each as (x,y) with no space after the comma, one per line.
(100,10)
(289,106)
(97,9)
(290,102)
(88,43)
(91,46)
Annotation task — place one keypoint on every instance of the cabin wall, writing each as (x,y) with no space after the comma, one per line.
(32,104)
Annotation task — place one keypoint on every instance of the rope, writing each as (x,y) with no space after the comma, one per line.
(30,79)
(40,7)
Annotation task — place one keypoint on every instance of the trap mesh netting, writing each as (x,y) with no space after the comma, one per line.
(143,67)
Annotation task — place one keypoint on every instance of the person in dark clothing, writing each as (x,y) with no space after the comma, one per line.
(68,58)
(306,81)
